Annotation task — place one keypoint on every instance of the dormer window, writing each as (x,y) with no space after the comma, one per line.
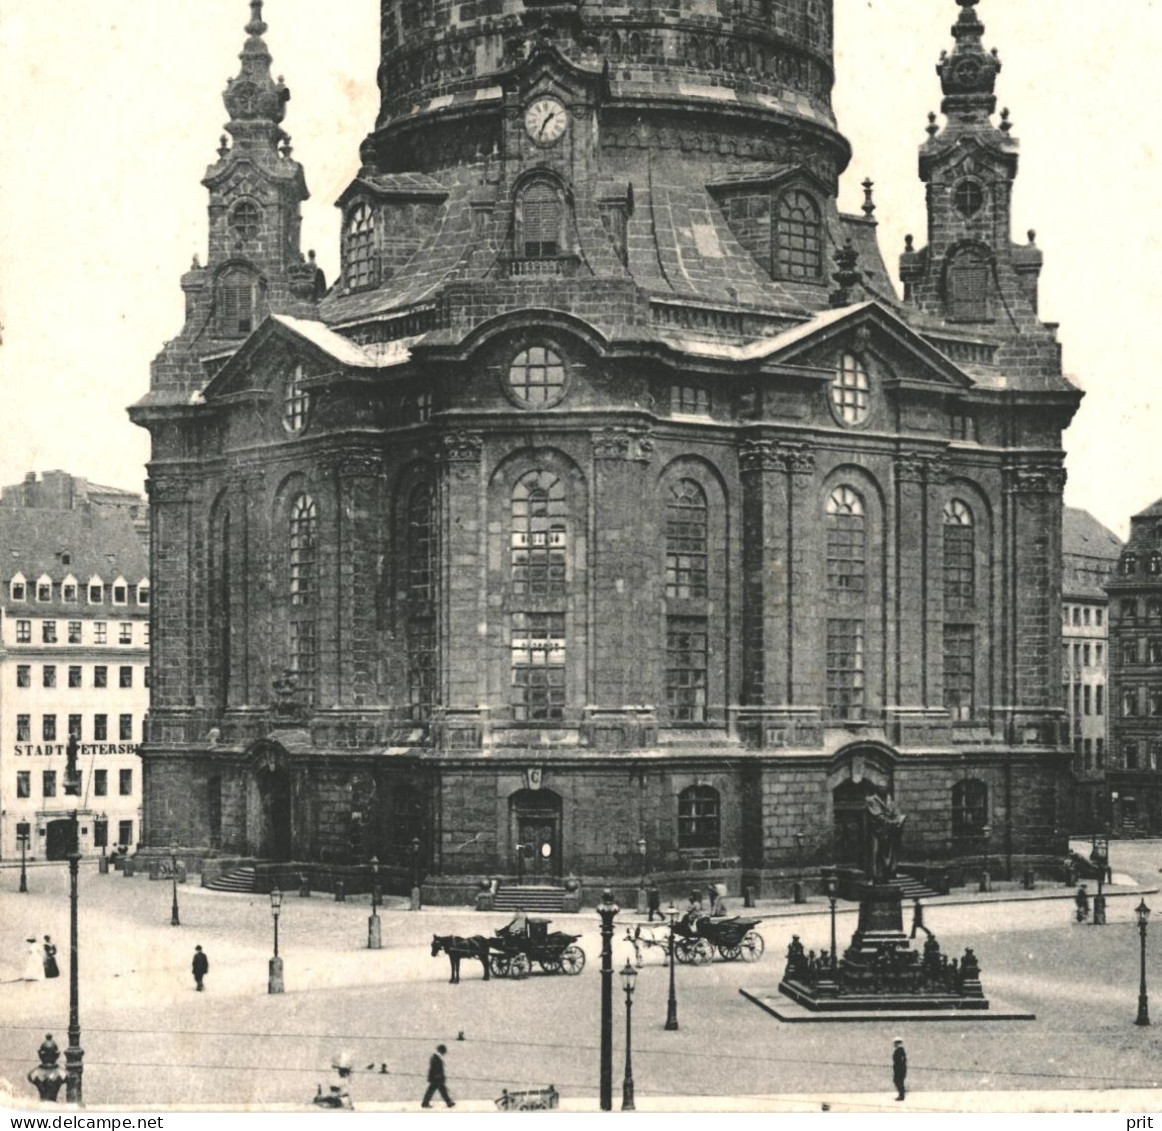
(120,592)
(540,221)
(1130,564)
(798,237)
(44,588)
(96,591)
(17,588)
(69,590)
(143,593)
(236,299)
(360,247)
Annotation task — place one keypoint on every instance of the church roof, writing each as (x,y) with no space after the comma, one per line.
(1082,534)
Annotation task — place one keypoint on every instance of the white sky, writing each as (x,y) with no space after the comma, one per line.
(112,111)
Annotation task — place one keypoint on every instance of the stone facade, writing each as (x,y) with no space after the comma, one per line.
(592,505)
(1133,774)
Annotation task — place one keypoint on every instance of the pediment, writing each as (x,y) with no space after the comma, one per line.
(545,69)
(871,328)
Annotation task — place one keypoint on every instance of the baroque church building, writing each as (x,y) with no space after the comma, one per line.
(611,511)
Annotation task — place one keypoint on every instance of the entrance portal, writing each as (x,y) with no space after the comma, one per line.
(60,839)
(535,828)
(849,805)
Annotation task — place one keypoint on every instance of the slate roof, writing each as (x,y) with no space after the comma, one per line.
(1089,553)
(98,542)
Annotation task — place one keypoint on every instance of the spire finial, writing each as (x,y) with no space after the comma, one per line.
(869,205)
(847,276)
(257,104)
(968,75)
(256,25)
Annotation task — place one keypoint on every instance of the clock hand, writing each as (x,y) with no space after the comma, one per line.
(545,123)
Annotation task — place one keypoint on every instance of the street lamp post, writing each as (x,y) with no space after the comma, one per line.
(22,836)
(608,910)
(1143,913)
(174,919)
(831,887)
(415,851)
(74,1054)
(275,982)
(672,1004)
(986,881)
(374,933)
(642,899)
(628,979)
(1100,856)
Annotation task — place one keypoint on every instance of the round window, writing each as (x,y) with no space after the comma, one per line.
(969,198)
(849,391)
(536,377)
(246,221)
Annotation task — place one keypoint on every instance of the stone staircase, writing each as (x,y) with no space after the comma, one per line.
(236,880)
(533,898)
(914,888)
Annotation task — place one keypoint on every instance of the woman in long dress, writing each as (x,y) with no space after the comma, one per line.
(34,963)
(51,969)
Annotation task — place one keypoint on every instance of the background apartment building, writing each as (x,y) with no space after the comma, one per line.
(74,659)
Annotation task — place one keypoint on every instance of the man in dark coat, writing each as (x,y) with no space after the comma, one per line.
(201,967)
(899,1066)
(654,901)
(436,1079)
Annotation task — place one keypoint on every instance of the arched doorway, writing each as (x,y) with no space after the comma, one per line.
(535,834)
(273,838)
(857,773)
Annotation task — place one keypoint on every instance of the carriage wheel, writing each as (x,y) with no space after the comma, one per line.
(499,965)
(551,965)
(684,950)
(703,952)
(752,946)
(730,953)
(572,960)
(520,966)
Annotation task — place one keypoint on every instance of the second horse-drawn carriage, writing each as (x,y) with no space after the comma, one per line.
(514,949)
(696,940)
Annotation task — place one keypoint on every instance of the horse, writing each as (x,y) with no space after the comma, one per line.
(456,947)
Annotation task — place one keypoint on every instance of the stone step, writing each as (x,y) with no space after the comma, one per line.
(237,880)
(529,898)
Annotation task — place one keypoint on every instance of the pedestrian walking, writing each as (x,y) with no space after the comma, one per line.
(1082,901)
(51,969)
(918,918)
(654,901)
(437,1082)
(899,1066)
(33,962)
(201,967)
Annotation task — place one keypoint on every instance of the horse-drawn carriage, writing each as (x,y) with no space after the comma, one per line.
(511,952)
(514,949)
(695,941)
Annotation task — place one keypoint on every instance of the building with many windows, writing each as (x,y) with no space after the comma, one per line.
(74,660)
(611,494)
(1089,555)
(1134,771)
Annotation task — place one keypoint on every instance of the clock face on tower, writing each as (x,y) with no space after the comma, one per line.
(546,120)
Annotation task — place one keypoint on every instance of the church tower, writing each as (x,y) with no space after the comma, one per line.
(610,510)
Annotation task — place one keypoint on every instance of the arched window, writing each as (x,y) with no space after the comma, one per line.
(360,249)
(539,536)
(421,544)
(296,402)
(541,220)
(237,295)
(970,807)
(846,542)
(849,390)
(968,287)
(304,534)
(699,823)
(799,245)
(246,221)
(1129,564)
(959,569)
(686,541)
